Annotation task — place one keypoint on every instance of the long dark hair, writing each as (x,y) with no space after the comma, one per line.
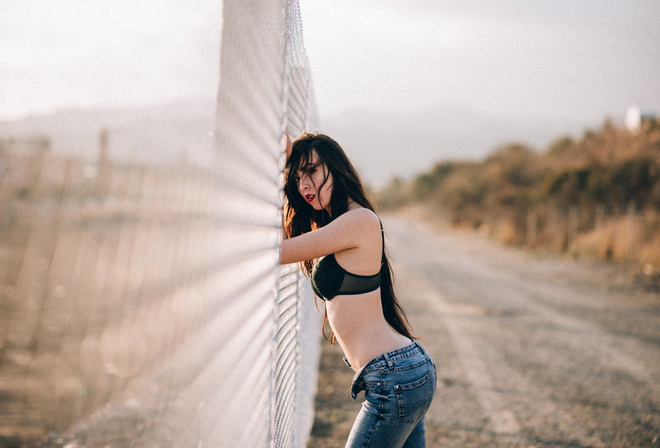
(300,217)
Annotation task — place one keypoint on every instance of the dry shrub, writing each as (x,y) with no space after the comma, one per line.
(650,252)
(603,243)
(505,232)
(616,241)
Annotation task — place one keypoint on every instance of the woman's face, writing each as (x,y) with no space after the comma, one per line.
(310,177)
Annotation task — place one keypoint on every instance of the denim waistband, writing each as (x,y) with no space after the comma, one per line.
(386,360)
(400,353)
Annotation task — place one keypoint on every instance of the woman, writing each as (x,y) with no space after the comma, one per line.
(331,228)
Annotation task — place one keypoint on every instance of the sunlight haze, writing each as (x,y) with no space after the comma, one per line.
(421,73)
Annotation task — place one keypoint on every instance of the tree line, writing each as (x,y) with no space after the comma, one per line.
(578,195)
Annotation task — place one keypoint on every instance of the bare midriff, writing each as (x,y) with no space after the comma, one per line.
(361,329)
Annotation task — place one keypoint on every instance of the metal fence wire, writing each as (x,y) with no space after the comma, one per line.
(144,304)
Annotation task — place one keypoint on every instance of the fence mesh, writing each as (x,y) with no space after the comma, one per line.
(143,304)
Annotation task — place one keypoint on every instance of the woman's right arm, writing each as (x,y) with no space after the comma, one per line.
(348,231)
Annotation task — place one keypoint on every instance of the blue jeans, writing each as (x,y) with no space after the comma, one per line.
(398,389)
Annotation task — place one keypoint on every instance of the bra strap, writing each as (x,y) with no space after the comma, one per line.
(382,234)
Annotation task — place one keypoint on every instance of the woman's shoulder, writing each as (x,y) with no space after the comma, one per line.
(362,217)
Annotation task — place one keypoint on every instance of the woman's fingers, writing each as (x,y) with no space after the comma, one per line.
(287,144)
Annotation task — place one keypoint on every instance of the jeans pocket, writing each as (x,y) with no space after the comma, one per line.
(414,399)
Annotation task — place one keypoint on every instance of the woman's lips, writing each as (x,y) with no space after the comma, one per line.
(310,197)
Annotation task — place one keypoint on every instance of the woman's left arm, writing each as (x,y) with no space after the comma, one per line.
(287,145)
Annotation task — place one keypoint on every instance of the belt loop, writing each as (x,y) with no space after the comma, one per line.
(389,362)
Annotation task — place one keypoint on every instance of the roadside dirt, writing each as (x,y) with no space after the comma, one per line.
(531,350)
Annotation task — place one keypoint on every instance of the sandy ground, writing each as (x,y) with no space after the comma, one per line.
(531,350)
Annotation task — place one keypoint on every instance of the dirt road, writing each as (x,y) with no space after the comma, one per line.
(531,351)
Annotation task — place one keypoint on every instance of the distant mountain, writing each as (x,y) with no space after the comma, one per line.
(152,134)
(382,144)
(385,144)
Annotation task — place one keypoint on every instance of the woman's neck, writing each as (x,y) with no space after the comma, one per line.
(352,205)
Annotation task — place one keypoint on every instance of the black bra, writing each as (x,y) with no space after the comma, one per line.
(329,279)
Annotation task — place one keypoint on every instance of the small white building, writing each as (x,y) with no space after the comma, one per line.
(636,118)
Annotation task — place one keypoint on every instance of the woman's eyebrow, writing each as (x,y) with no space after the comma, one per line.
(308,166)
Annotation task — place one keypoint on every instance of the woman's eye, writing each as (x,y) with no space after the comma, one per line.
(296,179)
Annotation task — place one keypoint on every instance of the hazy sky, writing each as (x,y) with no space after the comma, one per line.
(563,57)
(88,53)
(582,59)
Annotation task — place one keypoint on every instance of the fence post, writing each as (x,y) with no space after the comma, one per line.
(531,227)
(630,230)
(573,223)
(600,217)
(552,225)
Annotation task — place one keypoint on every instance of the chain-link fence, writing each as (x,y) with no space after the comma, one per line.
(143,304)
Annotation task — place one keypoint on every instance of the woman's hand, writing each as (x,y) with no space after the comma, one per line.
(287,144)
